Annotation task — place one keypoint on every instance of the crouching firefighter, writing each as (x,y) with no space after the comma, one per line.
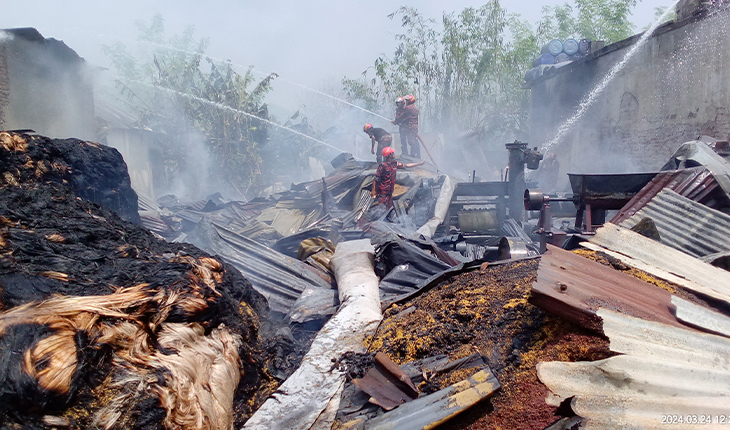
(384,181)
(379,135)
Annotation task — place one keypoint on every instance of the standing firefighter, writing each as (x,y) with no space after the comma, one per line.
(384,181)
(411,126)
(382,137)
(401,120)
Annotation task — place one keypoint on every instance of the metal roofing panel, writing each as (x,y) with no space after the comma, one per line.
(155,224)
(700,153)
(438,407)
(685,225)
(574,287)
(692,183)
(701,317)
(279,278)
(661,261)
(145,203)
(666,371)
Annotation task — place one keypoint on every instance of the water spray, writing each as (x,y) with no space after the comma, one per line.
(601,86)
(267,74)
(228,108)
(327,95)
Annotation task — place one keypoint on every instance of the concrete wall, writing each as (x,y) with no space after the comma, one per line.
(675,88)
(48,86)
(134,147)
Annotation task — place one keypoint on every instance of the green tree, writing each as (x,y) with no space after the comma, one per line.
(176,97)
(468,71)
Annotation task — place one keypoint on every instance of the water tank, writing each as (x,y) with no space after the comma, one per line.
(562,57)
(584,46)
(554,47)
(546,59)
(570,46)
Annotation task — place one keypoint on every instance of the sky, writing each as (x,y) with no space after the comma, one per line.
(314,43)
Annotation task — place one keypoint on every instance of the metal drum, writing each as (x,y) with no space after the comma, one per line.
(554,47)
(570,46)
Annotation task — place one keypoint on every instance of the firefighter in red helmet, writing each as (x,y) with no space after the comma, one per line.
(409,126)
(384,181)
(379,136)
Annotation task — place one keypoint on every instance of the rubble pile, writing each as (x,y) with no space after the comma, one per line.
(104,324)
(485,311)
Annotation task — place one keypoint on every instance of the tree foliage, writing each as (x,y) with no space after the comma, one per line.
(178,97)
(467,71)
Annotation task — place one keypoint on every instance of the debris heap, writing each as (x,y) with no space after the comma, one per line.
(102,323)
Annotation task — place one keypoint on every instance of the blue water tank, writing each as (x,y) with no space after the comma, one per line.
(570,46)
(562,57)
(547,59)
(554,47)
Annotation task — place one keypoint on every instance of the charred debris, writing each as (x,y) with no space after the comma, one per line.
(490,305)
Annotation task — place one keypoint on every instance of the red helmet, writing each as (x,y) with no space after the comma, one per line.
(387,151)
(367,127)
(400,101)
(410,99)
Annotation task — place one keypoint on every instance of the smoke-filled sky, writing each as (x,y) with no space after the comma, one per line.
(304,41)
(312,43)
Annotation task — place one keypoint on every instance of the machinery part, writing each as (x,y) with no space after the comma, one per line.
(511,248)
(516,184)
(478,221)
(534,199)
(532,158)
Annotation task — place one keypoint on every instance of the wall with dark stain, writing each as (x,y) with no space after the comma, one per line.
(675,88)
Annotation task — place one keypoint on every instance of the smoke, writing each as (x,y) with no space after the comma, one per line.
(312,46)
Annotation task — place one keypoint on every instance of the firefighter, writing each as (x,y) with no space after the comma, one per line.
(401,117)
(411,126)
(382,137)
(384,181)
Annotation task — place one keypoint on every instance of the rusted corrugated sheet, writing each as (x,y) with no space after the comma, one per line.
(666,377)
(388,385)
(695,183)
(685,225)
(574,287)
(661,261)
(430,411)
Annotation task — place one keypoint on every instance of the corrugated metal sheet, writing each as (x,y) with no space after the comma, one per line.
(279,278)
(698,153)
(661,261)
(701,317)
(666,372)
(437,408)
(685,225)
(574,287)
(695,183)
(388,385)
(155,224)
(145,203)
